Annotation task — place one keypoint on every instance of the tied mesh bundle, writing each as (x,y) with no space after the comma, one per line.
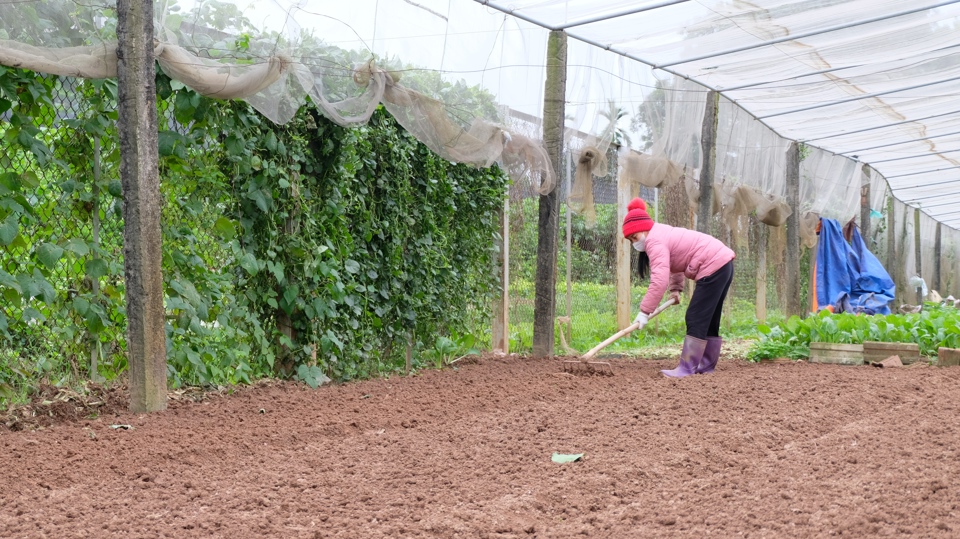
(592,162)
(651,171)
(772,209)
(692,186)
(481,144)
(808,229)
(524,157)
(738,199)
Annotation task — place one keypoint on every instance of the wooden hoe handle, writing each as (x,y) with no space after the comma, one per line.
(624,332)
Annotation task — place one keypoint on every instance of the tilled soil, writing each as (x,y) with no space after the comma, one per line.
(776,449)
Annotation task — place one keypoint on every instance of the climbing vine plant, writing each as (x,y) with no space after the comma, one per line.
(307,250)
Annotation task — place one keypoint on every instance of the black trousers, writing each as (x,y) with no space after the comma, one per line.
(706,305)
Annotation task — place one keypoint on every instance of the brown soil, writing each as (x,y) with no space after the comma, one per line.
(755,450)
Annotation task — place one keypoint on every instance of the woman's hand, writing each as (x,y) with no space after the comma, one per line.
(675,296)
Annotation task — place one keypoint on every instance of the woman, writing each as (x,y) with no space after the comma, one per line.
(667,254)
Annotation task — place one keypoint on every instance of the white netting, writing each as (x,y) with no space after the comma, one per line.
(217,49)
(468,80)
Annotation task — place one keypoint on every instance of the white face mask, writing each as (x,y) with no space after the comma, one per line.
(640,244)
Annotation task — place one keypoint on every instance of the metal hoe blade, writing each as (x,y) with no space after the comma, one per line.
(588,368)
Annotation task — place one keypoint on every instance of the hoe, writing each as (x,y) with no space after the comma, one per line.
(603,368)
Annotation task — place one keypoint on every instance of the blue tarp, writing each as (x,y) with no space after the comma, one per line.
(849,277)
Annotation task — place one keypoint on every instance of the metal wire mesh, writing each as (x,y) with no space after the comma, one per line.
(67,257)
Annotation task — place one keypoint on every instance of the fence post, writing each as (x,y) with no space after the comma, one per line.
(95,348)
(708,142)
(624,196)
(501,308)
(865,202)
(545,304)
(916,252)
(891,241)
(937,253)
(140,178)
(792,252)
(761,280)
(568,182)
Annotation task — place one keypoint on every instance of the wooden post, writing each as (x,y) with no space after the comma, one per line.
(761,280)
(937,253)
(569,242)
(916,252)
(501,308)
(812,301)
(623,247)
(545,305)
(708,144)
(792,253)
(728,303)
(891,243)
(408,364)
(95,347)
(140,180)
(865,203)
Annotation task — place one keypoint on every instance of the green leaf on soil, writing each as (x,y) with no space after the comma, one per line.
(561,458)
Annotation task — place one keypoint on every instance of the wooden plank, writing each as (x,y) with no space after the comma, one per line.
(948,357)
(874,351)
(840,354)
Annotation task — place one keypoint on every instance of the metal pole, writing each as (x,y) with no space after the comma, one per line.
(569,246)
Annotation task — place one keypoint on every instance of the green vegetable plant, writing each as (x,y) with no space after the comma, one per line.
(930,329)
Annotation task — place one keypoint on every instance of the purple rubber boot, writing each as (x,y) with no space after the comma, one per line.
(711,353)
(690,357)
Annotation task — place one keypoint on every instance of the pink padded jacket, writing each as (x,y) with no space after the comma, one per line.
(676,253)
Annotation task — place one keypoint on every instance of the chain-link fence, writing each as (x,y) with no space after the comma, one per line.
(62,229)
(586,277)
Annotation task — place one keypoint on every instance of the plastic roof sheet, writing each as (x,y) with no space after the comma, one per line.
(872,80)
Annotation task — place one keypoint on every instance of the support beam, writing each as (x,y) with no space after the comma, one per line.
(792,253)
(919,139)
(708,145)
(874,128)
(857,98)
(140,181)
(939,196)
(939,153)
(794,37)
(631,11)
(545,301)
(953,202)
(928,171)
(923,185)
(726,91)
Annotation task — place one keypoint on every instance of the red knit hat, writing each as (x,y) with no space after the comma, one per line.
(637,219)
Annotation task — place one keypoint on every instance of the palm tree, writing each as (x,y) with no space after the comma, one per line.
(613,114)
